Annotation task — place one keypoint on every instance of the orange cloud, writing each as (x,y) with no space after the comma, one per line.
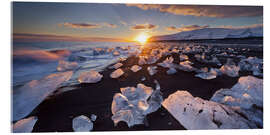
(143,26)
(204,10)
(80,25)
(240,27)
(110,25)
(186,28)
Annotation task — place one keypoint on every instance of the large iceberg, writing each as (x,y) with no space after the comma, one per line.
(133,104)
(24,125)
(117,73)
(82,124)
(29,96)
(90,77)
(65,66)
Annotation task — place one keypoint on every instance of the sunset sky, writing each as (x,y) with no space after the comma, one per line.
(124,21)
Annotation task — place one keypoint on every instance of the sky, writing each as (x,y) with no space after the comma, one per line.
(117,22)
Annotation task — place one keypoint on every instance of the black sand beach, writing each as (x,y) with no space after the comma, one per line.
(56,113)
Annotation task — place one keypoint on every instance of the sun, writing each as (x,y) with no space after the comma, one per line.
(142,38)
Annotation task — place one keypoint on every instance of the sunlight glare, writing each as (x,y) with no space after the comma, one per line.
(142,38)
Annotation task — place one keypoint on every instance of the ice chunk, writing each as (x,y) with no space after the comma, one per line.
(116,66)
(212,74)
(152,70)
(253,64)
(90,77)
(26,98)
(167,63)
(152,59)
(117,73)
(171,71)
(216,61)
(116,53)
(24,125)
(136,68)
(230,68)
(143,78)
(65,66)
(93,117)
(196,113)
(183,57)
(186,66)
(133,104)
(141,60)
(82,124)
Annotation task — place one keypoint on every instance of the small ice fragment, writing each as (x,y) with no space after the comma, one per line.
(24,125)
(65,66)
(117,73)
(183,57)
(230,68)
(29,96)
(212,74)
(171,71)
(186,66)
(168,62)
(93,117)
(152,70)
(116,53)
(116,66)
(143,78)
(90,77)
(141,60)
(135,68)
(82,124)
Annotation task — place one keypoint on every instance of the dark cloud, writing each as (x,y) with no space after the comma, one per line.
(186,28)
(205,10)
(143,26)
(80,25)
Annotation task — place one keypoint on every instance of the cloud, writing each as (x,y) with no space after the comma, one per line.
(124,23)
(186,28)
(110,25)
(205,10)
(80,25)
(26,37)
(241,27)
(143,26)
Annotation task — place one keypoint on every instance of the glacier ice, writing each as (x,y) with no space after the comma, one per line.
(186,66)
(196,113)
(167,63)
(116,66)
(133,104)
(93,117)
(117,73)
(230,69)
(65,66)
(24,125)
(29,96)
(142,60)
(212,74)
(82,124)
(183,57)
(171,71)
(91,76)
(253,64)
(136,68)
(247,95)
(152,70)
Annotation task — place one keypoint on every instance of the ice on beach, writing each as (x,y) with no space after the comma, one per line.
(142,60)
(152,70)
(215,60)
(93,117)
(134,103)
(82,124)
(116,53)
(200,58)
(196,113)
(212,74)
(253,64)
(29,96)
(143,78)
(230,69)
(152,59)
(247,95)
(65,66)
(117,73)
(183,57)
(24,125)
(116,66)
(186,66)
(171,71)
(91,76)
(167,63)
(136,68)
